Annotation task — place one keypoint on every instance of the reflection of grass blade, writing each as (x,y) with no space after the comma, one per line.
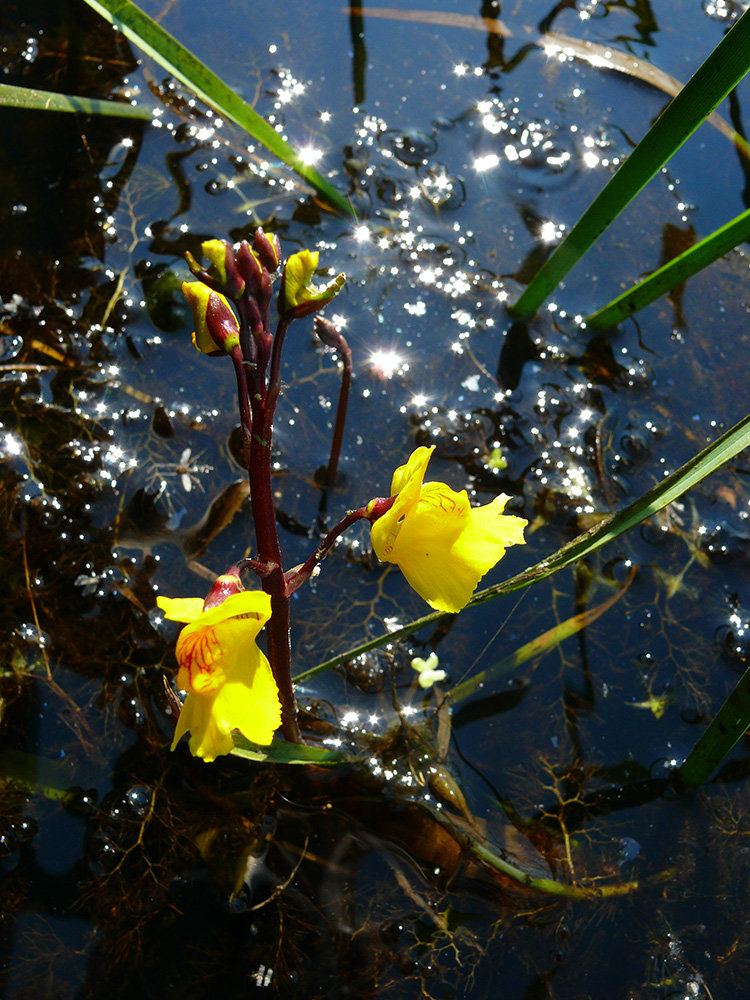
(669,489)
(674,273)
(282,752)
(542,644)
(36,774)
(710,84)
(728,725)
(46,100)
(182,64)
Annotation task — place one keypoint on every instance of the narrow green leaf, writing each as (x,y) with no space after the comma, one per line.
(536,647)
(37,775)
(725,729)
(149,36)
(282,752)
(709,85)
(612,526)
(674,273)
(46,100)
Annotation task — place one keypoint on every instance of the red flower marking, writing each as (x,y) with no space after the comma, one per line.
(198,654)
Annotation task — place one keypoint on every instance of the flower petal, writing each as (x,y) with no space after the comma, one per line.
(488,532)
(423,548)
(253,603)
(181,609)
(254,709)
(406,486)
(228,679)
(408,478)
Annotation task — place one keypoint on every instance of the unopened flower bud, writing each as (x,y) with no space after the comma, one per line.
(257,277)
(268,250)
(299,297)
(331,337)
(223,587)
(221,255)
(216,329)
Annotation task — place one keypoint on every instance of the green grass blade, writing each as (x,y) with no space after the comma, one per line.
(726,728)
(47,100)
(674,273)
(281,752)
(720,451)
(536,647)
(709,85)
(149,36)
(35,774)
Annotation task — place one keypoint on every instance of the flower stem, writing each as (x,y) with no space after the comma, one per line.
(330,336)
(300,574)
(269,551)
(246,420)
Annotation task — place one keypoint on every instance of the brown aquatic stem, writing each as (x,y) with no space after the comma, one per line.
(331,337)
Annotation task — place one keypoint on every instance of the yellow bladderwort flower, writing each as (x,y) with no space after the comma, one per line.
(300,297)
(441,544)
(228,679)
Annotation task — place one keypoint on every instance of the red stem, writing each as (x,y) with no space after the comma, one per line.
(300,574)
(269,551)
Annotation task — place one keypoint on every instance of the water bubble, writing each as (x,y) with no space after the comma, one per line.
(138,798)
(80,802)
(411,146)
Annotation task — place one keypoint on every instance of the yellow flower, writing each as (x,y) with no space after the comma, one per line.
(301,297)
(228,679)
(441,544)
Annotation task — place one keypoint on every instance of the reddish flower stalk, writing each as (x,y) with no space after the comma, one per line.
(302,573)
(331,337)
(245,278)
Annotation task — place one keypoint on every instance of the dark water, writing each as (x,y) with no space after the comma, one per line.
(132,872)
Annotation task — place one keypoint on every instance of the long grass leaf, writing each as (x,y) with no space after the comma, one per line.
(710,84)
(281,752)
(725,729)
(36,774)
(674,273)
(149,36)
(720,451)
(536,647)
(47,100)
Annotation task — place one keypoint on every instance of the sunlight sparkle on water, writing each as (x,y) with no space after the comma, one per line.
(12,445)
(310,154)
(486,162)
(387,363)
(550,231)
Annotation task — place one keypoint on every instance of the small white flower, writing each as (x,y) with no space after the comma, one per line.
(427,670)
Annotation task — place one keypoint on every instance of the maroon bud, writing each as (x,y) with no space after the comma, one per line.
(223,587)
(268,250)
